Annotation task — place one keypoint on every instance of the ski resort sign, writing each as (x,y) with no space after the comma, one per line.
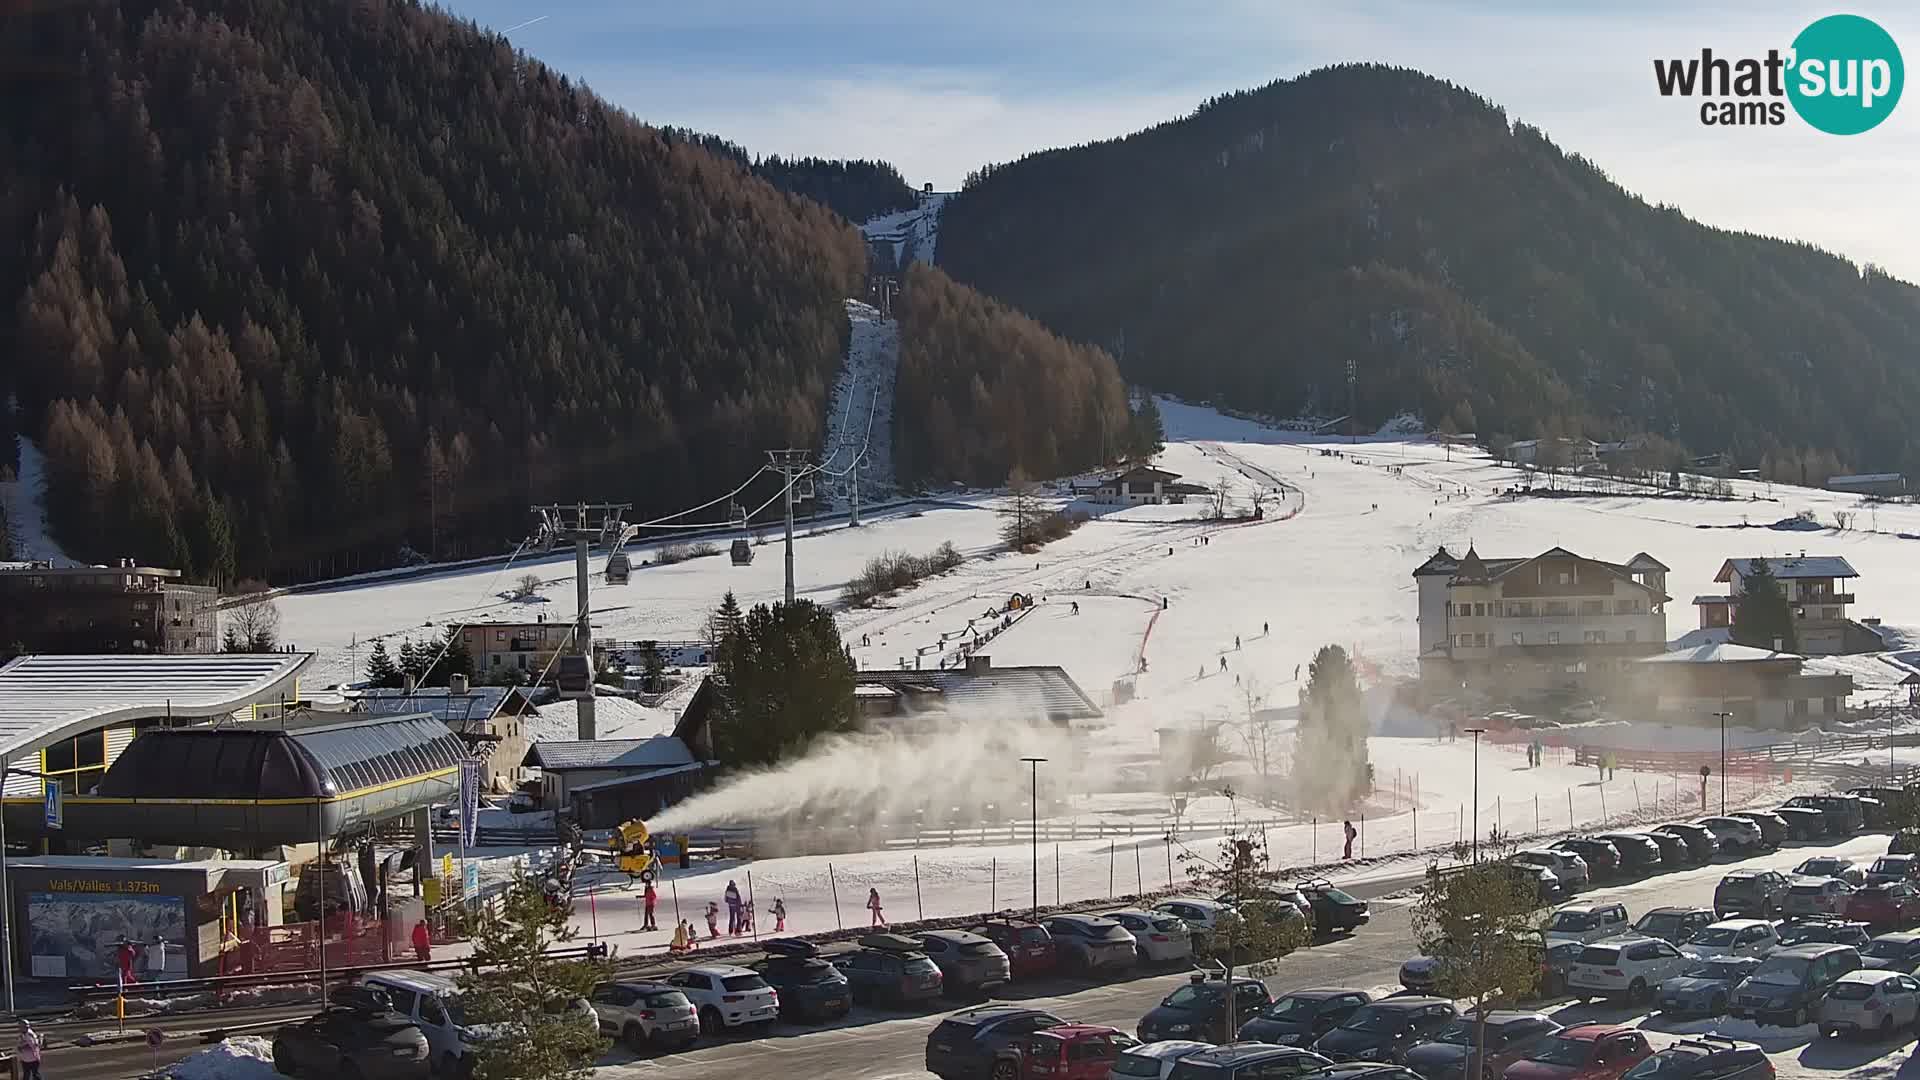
(1842,75)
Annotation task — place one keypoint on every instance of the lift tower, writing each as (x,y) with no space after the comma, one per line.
(584,524)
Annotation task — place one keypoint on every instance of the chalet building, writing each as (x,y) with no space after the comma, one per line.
(607,781)
(1145,485)
(1042,693)
(1759,687)
(491,720)
(1890,485)
(1554,621)
(104,609)
(1818,592)
(525,646)
(1573,452)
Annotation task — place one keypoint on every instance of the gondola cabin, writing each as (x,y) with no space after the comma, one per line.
(742,552)
(573,676)
(619,568)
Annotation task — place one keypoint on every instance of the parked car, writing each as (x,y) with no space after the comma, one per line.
(1733,834)
(1761,893)
(726,996)
(1817,896)
(1627,968)
(1300,1017)
(1091,945)
(1570,872)
(1586,1052)
(1334,909)
(1904,842)
(1773,827)
(1893,952)
(1894,868)
(1832,866)
(1870,1002)
(1556,963)
(1674,852)
(1843,814)
(1386,1029)
(1701,845)
(891,969)
(1587,922)
(359,1033)
(1201,916)
(1885,905)
(432,1002)
(1732,937)
(1510,1036)
(1361,1070)
(1639,853)
(1791,984)
(645,1015)
(1030,950)
(1199,1010)
(1892,803)
(1705,988)
(1282,894)
(967,1045)
(808,986)
(1705,1057)
(1675,925)
(1064,1052)
(1154,1061)
(1602,858)
(969,963)
(1249,1061)
(1159,938)
(1821,930)
(1803,822)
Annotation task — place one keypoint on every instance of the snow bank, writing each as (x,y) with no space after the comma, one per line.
(614,718)
(243,1057)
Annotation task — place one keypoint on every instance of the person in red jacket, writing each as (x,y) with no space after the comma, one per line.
(650,898)
(422,942)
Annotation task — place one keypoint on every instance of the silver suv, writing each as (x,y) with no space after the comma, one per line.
(646,1015)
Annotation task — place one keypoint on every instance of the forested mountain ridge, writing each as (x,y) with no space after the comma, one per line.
(293,287)
(1464,265)
(857,190)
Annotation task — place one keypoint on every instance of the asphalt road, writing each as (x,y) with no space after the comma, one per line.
(882,1045)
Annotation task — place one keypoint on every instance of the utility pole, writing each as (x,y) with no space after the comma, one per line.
(854,474)
(1033,763)
(583,524)
(1476,732)
(1723,760)
(791,464)
(1353,420)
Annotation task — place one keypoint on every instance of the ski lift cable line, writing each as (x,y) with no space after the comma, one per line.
(683,513)
(447,643)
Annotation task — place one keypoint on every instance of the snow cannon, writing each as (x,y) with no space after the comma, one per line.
(636,857)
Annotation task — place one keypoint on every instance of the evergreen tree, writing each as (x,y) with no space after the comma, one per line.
(1763,615)
(516,994)
(382,672)
(454,658)
(653,666)
(725,621)
(414,660)
(1148,435)
(1330,743)
(788,680)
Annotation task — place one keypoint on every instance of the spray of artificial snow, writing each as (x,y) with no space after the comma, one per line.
(969,766)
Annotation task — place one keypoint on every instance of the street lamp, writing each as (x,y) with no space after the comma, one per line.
(1723,761)
(1033,764)
(1476,732)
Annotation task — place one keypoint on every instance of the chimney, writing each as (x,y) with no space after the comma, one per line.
(457,685)
(409,684)
(979,665)
(1779,644)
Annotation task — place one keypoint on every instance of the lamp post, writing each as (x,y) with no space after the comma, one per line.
(1033,765)
(1723,760)
(1476,732)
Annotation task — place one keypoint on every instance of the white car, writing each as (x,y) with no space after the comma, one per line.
(1870,1003)
(1569,870)
(1629,968)
(1153,1061)
(1159,937)
(1732,937)
(645,1015)
(1587,922)
(1201,916)
(1732,833)
(726,996)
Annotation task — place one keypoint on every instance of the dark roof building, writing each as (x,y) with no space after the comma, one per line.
(1044,693)
(489,719)
(104,609)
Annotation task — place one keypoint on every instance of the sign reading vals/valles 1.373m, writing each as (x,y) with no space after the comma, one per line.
(1843,75)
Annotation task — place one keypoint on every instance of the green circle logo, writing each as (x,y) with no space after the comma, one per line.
(1847,75)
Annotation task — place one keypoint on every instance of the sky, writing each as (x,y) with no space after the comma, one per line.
(942,89)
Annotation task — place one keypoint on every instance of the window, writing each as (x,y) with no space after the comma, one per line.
(430,1010)
(1553,637)
(1632,636)
(1596,637)
(1521,609)
(1563,578)
(499,635)
(1591,607)
(1559,607)
(1463,641)
(1519,639)
(1479,641)
(1479,610)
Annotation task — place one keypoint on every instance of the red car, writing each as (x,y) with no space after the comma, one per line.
(1029,948)
(1892,903)
(1586,1052)
(1067,1052)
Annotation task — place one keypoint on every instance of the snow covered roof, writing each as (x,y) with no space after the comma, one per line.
(1867,478)
(642,774)
(1713,598)
(661,751)
(1720,652)
(44,698)
(1015,691)
(1792,566)
(476,705)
